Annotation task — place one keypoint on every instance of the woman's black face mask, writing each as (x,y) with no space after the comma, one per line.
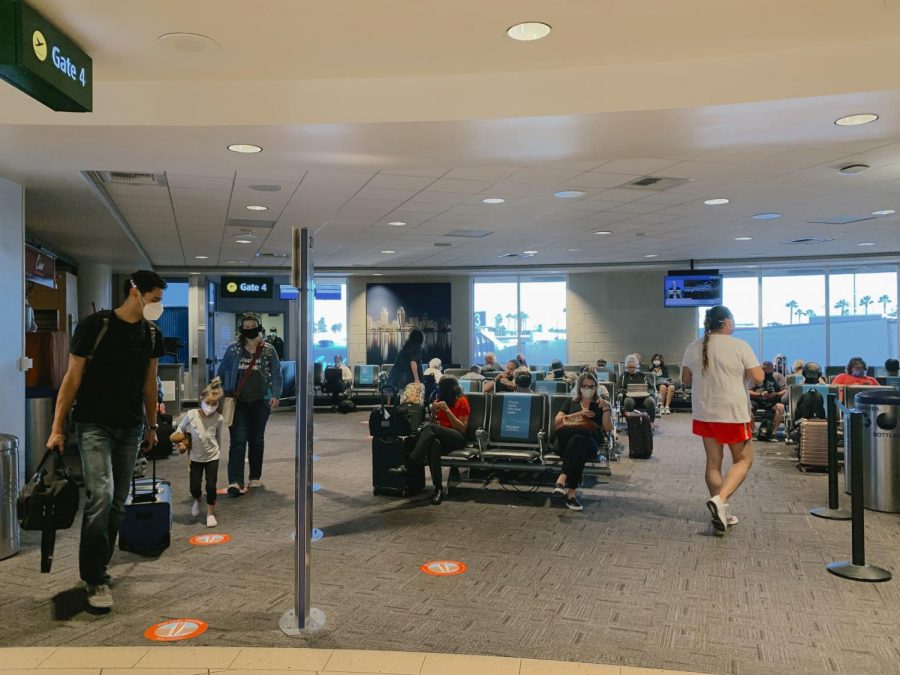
(251,333)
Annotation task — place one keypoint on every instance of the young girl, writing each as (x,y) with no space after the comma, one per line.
(200,432)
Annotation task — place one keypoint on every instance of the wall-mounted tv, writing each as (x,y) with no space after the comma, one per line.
(692,288)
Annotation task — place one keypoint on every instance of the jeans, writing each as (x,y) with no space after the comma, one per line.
(198,470)
(248,429)
(433,441)
(107,462)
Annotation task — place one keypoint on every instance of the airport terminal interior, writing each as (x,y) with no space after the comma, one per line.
(553,188)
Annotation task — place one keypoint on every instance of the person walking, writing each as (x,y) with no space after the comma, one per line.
(111,379)
(251,372)
(717,367)
(407,367)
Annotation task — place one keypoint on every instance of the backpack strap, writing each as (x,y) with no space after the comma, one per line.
(100,334)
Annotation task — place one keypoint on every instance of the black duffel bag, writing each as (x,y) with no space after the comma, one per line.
(49,502)
(401,420)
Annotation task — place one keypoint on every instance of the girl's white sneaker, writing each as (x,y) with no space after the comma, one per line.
(211,521)
(195,509)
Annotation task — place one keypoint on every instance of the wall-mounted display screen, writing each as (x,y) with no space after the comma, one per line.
(692,289)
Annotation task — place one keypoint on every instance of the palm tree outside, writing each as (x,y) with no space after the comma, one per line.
(884,300)
(842,305)
(791,305)
(865,301)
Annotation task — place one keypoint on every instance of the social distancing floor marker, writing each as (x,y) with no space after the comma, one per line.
(174,630)
(444,568)
(316,535)
(209,539)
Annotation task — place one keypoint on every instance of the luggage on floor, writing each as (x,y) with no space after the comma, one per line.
(147,526)
(640,435)
(389,422)
(392,451)
(163,447)
(346,405)
(813,444)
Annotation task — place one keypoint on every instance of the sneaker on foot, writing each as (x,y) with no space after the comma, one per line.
(255,483)
(234,490)
(559,489)
(211,520)
(195,509)
(99,596)
(573,504)
(719,514)
(732,519)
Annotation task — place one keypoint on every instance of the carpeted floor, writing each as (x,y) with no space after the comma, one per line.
(637,579)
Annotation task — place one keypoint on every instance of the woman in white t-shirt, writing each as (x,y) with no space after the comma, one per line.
(718,367)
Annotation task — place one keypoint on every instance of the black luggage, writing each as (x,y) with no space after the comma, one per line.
(163,447)
(402,420)
(346,405)
(390,452)
(640,435)
(147,526)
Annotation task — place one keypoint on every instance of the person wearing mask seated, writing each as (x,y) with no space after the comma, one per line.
(450,417)
(522,378)
(633,377)
(856,373)
(602,391)
(505,382)
(580,426)
(490,364)
(892,367)
(337,386)
(557,372)
(664,385)
(520,359)
(767,394)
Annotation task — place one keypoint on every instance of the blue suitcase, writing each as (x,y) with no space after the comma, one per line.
(147,526)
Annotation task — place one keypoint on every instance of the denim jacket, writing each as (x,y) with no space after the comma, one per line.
(269,368)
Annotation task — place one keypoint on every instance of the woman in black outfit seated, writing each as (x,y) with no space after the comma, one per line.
(450,417)
(580,427)
(660,373)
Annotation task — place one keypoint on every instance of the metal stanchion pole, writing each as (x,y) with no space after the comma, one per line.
(302,619)
(857,569)
(834,510)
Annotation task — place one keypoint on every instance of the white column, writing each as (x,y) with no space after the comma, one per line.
(94,288)
(198,311)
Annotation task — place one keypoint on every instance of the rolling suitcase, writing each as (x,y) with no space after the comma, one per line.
(640,435)
(147,526)
(391,451)
(813,444)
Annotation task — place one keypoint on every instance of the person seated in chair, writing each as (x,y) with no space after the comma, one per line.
(558,372)
(523,380)
(664,386)
(337,385)
(632,377)
(580,428)
(475,374)
(856,373)
(450,418)
(490,364)
(505,382)
(892,367)
(434,368)
(766,396)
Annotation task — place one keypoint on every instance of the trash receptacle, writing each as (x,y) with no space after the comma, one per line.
(9,492)
(39,408)
(880,448)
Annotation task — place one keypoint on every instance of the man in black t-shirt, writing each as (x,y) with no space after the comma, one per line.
(111,379)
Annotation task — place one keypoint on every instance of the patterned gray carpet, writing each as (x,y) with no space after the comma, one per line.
(637,579)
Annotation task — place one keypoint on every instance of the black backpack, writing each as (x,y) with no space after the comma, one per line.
(811,406)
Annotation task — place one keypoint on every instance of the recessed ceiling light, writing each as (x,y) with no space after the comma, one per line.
(397,223)
(201,257)
(493,200)
(603,232)
(652,255)
(851,169)
(377,274)
(188,42)
(529,31)
(257,207)
(575,250)
(718,201)
(243,241)
(388,252)
(195,273)
(529,252)
(569,194)
(743,238)
(884,212)
(245,148)
(856,120)
(767,216)
(866,243)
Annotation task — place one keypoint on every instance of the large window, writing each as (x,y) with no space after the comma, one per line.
(330,320)
(863,314)
(520,314)
(793,315)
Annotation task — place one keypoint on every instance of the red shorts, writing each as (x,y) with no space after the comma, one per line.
(724,432)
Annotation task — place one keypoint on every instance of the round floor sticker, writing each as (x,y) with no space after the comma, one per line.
(209,539)
(176,629)
(316,535)
(444,568)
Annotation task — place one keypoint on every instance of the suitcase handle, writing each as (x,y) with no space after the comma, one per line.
(134,492)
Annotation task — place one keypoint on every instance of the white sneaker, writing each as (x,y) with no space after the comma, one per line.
(668,410)
(195,509)
(211,520)
(99,596)
(719,514)
(255,483)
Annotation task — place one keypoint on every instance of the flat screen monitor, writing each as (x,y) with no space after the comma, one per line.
(692,289)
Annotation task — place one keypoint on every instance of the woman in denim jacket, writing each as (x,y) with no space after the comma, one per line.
(257,397)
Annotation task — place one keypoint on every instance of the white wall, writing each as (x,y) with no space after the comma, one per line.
(12,308)
(612,314)
(460,314)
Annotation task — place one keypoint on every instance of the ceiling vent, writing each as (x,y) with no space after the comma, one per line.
(473,234)
(809,240)
(654,183)
(245,223)
(842,220)
(131,178)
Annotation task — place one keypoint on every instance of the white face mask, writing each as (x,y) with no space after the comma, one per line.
(587,393)
(656,363)
(152,310)
(209,409)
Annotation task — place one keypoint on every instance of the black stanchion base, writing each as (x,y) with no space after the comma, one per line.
(830,514)
(869,573)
